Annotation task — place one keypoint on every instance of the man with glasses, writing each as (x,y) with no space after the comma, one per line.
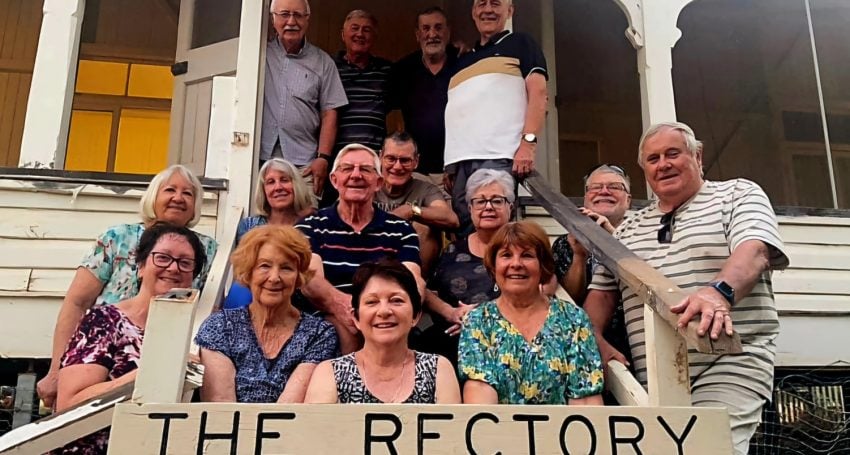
(302,92)
(719,241)
(421,203)
(351,232)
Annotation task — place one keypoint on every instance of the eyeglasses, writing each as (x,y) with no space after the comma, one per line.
(164,261)
(612,187)
(496,202)
(365,169)
(286,15)
(391,160)
(665,234)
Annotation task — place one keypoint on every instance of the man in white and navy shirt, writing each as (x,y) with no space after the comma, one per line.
(497,103)
(719,242)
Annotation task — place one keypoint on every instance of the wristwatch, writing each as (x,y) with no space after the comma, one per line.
(725,290)
(417,211)
(324,156)
(530,138)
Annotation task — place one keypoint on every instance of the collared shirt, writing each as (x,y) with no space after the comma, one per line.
(364,120)
(416,191)
(422,96)
(343,249)
(706,231)
(299,87)
(485,113)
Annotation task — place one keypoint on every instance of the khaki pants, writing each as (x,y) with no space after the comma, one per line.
(744,407)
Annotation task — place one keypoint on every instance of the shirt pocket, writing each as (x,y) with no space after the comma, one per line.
(304,86)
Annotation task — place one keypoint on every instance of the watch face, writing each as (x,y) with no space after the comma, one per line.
(529,137)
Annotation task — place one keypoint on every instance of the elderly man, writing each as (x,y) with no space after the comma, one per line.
(718,241)
(497,103)
(420,85)
(302,93)
(351,232)
(419,202)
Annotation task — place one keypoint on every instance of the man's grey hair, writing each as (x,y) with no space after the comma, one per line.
(354,14)
(691,141)
(606,169)
(306,6)
(352,148)
(302,198)
(484,177)
(401,138)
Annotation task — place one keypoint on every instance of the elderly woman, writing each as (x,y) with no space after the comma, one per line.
(265,352)
(386,304)
(522,347)
(108,273)
(104,351)
(460,280)
(281,197)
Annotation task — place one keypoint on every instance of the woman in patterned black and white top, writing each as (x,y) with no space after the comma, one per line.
(386,307)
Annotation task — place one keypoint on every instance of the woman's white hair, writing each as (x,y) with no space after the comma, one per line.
(354,147)
(484,177)
(146,205)
(302,199)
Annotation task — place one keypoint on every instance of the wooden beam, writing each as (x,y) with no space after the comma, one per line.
(668,378)
(653,288)
(625,388)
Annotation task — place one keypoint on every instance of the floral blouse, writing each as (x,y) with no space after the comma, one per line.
(105,337)
(113,261)
(560,363)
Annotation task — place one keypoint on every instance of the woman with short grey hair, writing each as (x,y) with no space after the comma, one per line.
(460,280)
(281,196)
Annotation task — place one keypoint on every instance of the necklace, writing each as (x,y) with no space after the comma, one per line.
(400,380)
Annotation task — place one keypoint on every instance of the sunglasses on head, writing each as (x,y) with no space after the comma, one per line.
(665,233)
(613,167)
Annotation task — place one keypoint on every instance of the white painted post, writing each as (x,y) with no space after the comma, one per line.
(549,156)
(221,119)
(162,369)
(48,116)
(668,380)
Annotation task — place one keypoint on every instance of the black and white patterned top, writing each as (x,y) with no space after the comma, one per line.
(350,387)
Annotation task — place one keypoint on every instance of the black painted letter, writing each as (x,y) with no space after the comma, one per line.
(421,435)
(370,438)
(633,440)
(471,423)
(586,422)
(530,418)
(261,418)
(203,436)
(166,426)
(680,441)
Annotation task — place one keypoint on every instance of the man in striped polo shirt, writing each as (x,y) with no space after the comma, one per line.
(350,232)
(719,241)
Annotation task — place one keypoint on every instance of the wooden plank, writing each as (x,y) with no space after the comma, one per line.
(804,281)
(801,304)
(815,234)
(27,325)
(654,288)
(41,253)
(50,280)
(408,429)
(625,388)
(24,394)
(814,256)
(813,221)
(668,377)
(14,279)
(816,340)
(24,81)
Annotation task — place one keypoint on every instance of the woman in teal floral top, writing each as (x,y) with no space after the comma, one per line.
(108,273)
(524,348)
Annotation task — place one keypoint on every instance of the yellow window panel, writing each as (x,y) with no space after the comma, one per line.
(150,81)
(88,141)
(102,78)
(142,141)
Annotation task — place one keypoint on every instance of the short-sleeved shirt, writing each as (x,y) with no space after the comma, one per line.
(299,87)
(418,192)
(364,120)
(487,102)
(343,249)
(260,379)
(562,362)
(105,337)
(422,96)
(706,229)
(112,260)
(248,223)
(351,388)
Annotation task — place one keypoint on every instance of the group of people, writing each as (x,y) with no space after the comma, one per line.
(327,302)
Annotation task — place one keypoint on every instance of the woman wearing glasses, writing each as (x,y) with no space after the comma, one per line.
(460,281)
(104,351)
(265,352)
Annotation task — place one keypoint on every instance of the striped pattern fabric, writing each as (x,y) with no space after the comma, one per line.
(721,216)
(364,120)
(342,249)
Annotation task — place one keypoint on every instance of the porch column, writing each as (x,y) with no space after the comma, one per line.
(550,154)
(52,91)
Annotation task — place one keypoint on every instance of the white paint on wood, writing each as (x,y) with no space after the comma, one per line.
(813,340)
(668,381)
(797,304)
(833,234)
(221,126)
(24,397)
(803,281)
(813,256)
(27,325)
(625,388)
(48,112)
(14,279)
(37,253)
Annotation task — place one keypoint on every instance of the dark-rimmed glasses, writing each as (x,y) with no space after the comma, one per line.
(163,261)
(391,160)
(286,15)
(497,202)
(665,234)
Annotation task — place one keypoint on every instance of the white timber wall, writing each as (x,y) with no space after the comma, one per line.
(45,230)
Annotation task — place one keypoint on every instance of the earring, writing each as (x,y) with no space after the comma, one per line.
(496,287)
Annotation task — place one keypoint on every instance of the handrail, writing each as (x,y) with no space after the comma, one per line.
(653,288)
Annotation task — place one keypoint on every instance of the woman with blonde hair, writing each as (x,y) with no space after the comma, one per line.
(281,197)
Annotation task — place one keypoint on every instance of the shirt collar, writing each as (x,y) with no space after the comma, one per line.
(493,40)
